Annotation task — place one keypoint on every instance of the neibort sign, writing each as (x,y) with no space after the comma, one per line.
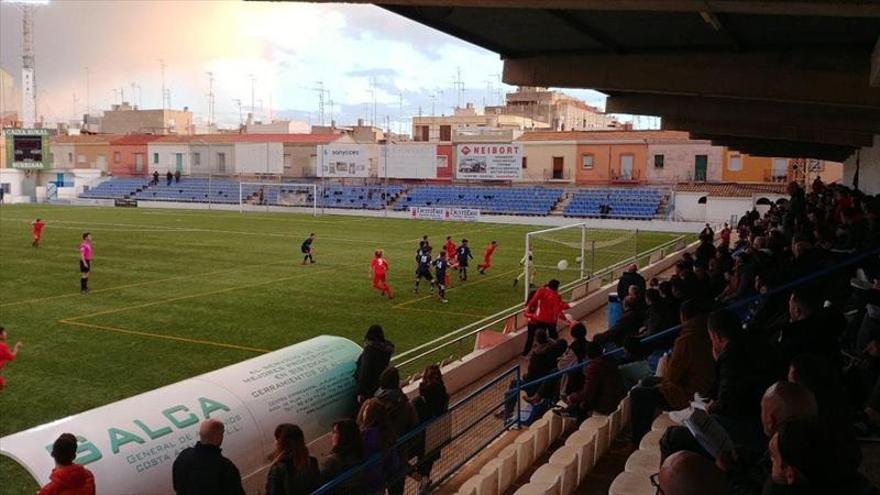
(131,445)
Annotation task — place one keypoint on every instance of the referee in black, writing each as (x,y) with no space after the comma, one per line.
(306,249)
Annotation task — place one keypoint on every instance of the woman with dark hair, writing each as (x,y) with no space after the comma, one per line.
(432,402)
(347,451)
(378,439)
(576,353)
(372,362)
(293,471)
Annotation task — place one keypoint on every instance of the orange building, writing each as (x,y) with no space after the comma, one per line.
(740,167)
(128,155)
(81,152)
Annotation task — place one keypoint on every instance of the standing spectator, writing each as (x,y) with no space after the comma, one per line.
(630,277)
(293,470)
(707,233)
(602,388)
(168,178)
(177,176)
(346,452)
(68,478)
(372,362)
(378,439)
(202,469)
(155,178)
(688,371)
(6,355)
(85,262)
(432,402)
(725,235)
(550,308)
(402,416)
(705,251)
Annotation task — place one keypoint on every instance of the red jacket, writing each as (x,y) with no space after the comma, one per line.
(550,305)
(70,480)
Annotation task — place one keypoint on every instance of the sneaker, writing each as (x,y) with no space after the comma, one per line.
(444,301)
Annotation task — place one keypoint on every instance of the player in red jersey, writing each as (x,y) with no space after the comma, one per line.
(487,257)
(6,354)
(378,270)
(37,231)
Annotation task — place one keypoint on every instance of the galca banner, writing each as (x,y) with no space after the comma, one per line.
(454,214)
(343,160)
(131,445)
(488,161)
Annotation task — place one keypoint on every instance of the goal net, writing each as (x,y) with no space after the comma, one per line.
(573,252)
(266,196)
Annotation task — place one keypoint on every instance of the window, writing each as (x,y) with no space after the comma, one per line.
(525,162)
(445,133)
(587,162)
(221,162)
(197,159)
(421,133)
(658,161)
(156,158)
(780,167)
(626,167)
(117,157)
(734,163)
(70,158)
(701,166)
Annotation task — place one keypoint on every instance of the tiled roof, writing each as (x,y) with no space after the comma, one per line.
(251,138)
(730,189)
(84,139)
(135,139)
(604,135)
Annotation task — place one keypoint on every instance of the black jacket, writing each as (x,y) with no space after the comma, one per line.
(629,324)
(371,363)
(339,461)
(202,470)
(627,279)
(743,371)
(817,335)
(285,479)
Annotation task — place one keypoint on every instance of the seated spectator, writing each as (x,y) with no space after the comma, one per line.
(602,388)
(68,478)
(715,274)
(293,470)
(629,323)
(659,314)
(576,353)
(202,469)
(769,312)
(688,371)
(630,277)
(686,473)
(346,452)
(431,403)
(372,361)
(812,330)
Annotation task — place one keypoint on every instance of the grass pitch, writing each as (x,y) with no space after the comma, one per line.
(176,293)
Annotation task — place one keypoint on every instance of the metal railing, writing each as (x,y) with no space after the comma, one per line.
(438,448)
(453,344)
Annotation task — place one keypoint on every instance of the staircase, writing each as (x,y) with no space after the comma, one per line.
(559,208)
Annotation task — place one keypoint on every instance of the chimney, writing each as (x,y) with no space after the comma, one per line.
(360,122)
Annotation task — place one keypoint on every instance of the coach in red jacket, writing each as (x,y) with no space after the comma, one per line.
(546,308)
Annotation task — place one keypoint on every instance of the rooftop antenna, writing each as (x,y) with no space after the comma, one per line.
(88,105)
(253,84)
(162,65)
(400,113)
(210,98)
(458,84)
(433,102)
(320,91)
(238,102)
(373,93)
(331,109)
(28,78)
(74,106)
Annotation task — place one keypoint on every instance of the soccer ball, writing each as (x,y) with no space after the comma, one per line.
(562,265)
(578,259)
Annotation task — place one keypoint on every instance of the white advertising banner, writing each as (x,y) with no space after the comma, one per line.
(453,214)
(408,161)
(488,161)
(130,445)
(343,160)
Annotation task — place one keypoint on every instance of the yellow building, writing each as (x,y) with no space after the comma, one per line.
(743,168)
(441,128)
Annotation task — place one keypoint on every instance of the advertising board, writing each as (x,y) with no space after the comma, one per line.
(488,161)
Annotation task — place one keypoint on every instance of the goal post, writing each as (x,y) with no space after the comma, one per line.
(558,252)
(256,196)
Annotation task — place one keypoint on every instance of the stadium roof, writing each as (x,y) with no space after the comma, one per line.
(774,77)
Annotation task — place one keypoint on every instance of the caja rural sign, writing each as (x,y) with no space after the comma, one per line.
(131,445)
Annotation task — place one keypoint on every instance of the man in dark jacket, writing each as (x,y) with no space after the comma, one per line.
(603,385)
(630,277)
(372,362)
(812,330)
(627,325)
(202,469)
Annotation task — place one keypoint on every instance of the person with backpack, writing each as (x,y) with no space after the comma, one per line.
(293,471)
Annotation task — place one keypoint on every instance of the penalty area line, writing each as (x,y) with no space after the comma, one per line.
(164,337)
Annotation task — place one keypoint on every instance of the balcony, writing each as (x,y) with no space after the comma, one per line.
(775,176)
(563,175)
(625,178)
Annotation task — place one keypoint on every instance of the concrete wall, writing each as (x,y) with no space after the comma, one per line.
(64,155)
(259,158)
(128,156)
(539,160)
(21,187)
(679,160)
(167,157)
(606,161)
(209,159)
(869,168)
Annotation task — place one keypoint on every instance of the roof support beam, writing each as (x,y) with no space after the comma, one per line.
(586,30)
(777,133)
(791,149)
(746,112)
(833,77)
(875,65)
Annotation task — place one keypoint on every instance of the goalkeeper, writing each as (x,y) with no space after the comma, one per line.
(532,271)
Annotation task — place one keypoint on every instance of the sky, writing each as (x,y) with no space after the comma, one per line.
(358,54)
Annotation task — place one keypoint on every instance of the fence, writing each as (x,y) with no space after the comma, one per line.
(438,448)
(459,342)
